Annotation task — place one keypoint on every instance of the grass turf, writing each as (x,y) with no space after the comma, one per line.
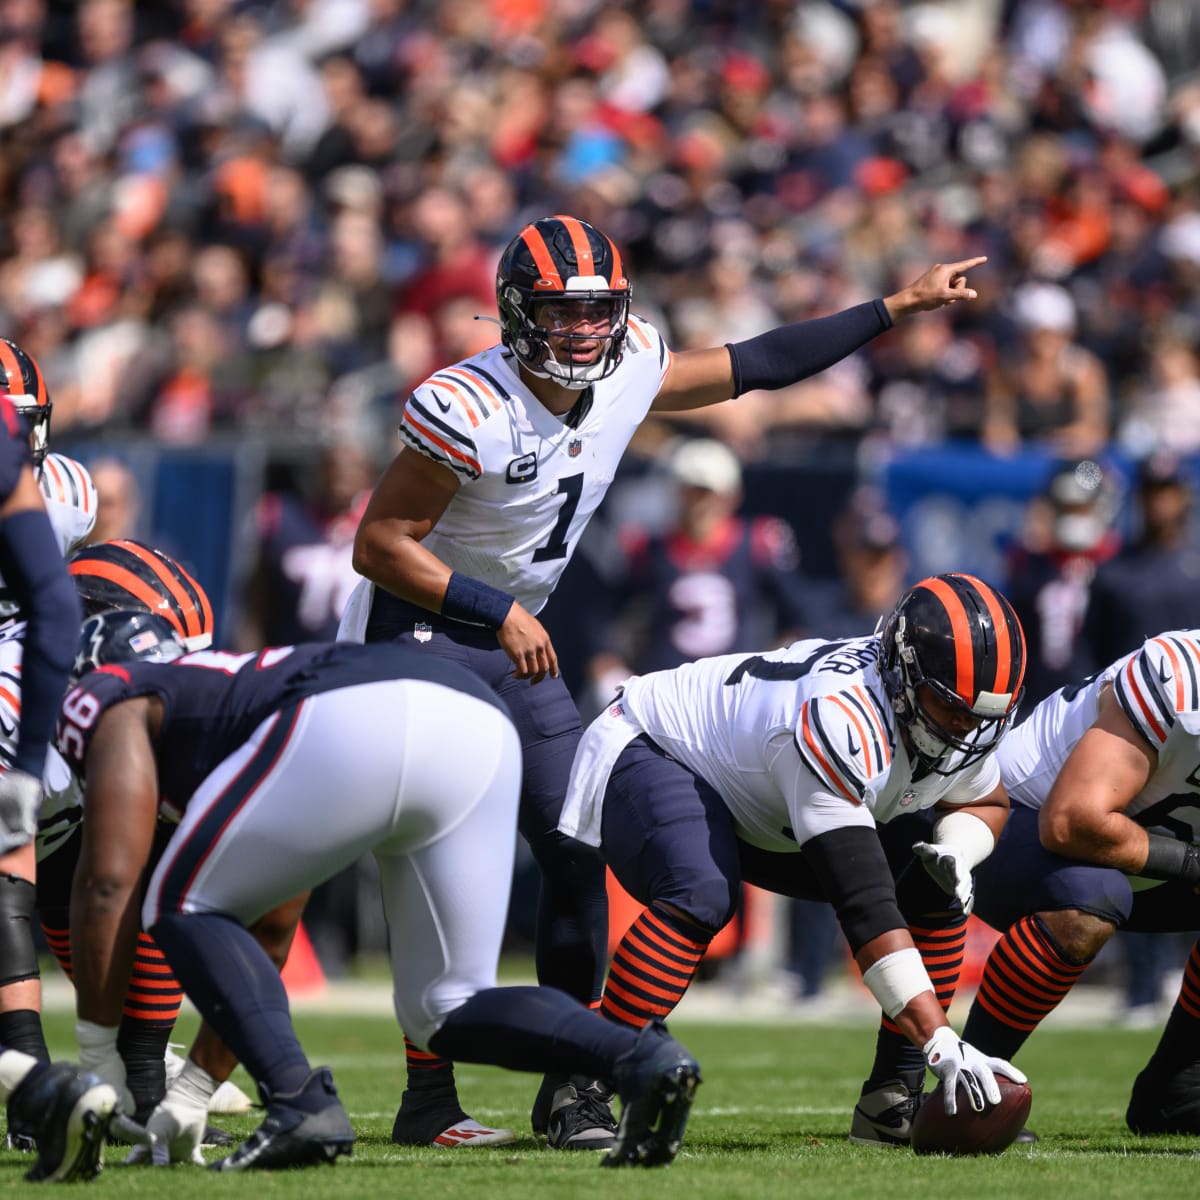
(770,1123)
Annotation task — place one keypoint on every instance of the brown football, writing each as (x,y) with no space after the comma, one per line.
(934,1131)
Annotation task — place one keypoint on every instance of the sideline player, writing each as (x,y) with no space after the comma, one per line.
(794,770)
(245,751)
(507,455)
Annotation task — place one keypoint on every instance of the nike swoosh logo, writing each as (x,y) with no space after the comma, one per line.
(851,746)
(444,407)
(1164,676)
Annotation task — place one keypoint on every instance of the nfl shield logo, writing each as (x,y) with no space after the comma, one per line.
(574,446)
(422,632)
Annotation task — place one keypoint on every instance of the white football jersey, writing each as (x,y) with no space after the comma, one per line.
(797,741)
(1158,688)
(529,481)
(62,802)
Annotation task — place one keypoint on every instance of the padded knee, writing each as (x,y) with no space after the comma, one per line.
(18,954)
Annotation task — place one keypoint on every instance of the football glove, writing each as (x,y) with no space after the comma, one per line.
(956,1062)
(20,800)
(950,870)
(177,1125)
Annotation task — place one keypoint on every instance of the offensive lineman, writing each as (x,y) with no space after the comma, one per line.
(507,455)
(796,770)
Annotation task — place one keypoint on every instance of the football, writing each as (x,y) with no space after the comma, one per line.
(934,1131)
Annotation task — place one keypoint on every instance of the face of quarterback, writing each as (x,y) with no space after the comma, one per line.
(576,329)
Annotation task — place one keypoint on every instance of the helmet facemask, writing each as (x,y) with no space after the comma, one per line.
(538,320)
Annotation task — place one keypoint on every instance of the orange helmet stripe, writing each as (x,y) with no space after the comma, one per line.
(41,395)
(12,368)
(186,607)
(584,263)
(1004,649)
(542,258)
(964,658)
(137,588)
(618,279)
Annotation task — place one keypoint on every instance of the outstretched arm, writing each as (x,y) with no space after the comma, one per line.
(790,353)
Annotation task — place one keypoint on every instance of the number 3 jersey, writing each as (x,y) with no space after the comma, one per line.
(797,741)
(529,480)
(1158,690)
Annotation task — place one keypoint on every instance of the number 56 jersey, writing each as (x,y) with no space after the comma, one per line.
(797,742)
(530,481)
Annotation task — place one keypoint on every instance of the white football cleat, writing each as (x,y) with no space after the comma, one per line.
(470,1133)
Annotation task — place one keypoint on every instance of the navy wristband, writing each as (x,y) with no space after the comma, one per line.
(1169,858)
(794,352)
(475,602)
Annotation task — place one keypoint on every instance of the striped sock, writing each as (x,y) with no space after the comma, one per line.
(1024,980)
(59,941)
(154,994)
(652,968)
(427,1072)
(942,950)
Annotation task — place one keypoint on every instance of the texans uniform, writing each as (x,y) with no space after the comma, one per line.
(251,759)
(1158,690)
(787,745)
(530,481)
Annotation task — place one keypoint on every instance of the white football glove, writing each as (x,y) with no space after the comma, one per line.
(950,869)
(20,801)
(98,1053)
(956,1062)
(177,1125)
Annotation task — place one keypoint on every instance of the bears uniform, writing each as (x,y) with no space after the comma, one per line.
(796,741)
(245,753)
(530,481)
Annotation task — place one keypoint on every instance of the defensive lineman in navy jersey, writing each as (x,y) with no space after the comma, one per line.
(507,455)
(248,754)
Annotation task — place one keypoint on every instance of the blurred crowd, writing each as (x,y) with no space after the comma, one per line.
(272,215)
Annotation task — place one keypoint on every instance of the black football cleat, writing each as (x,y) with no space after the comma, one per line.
(1165,1104)
(67,1112)
(303,1128)
(581,1116)
(657,1083)
(884,1114)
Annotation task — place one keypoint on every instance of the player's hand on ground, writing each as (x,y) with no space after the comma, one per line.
(957,1062)
(176,1126)
(20,800)
(943,283)
(948,868)
(527,643)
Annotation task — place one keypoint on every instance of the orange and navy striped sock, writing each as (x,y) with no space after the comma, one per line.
(942,950)
(1180,1042)
(154,993)
(652,967)
(1024,979)
(59,941)
(427,1072)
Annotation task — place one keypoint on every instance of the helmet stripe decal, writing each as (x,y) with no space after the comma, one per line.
(964,658)
(139,589)
(542,258)
(618,279)
(1004,650)
(40,394)
(12,368)
(159,568)
(584,264)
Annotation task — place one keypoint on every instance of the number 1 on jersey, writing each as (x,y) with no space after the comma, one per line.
(570,488)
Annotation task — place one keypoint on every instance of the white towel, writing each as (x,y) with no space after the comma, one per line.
(599,748)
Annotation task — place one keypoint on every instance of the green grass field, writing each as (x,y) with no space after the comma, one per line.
(770,1123)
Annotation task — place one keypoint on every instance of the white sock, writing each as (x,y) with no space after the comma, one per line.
(14,1066)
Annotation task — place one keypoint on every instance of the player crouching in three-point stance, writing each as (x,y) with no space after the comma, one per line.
(793,770)
(507,455)
(245,753)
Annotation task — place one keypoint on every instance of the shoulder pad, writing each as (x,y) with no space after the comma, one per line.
(1157,686)
(845,740)
(442,415)
(644,338)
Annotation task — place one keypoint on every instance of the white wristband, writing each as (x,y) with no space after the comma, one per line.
(194,1085)
(896,979)
(91,1036)
(967,834)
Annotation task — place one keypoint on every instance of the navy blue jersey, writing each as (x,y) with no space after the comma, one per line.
(14,446)
(213,701)
(734,591)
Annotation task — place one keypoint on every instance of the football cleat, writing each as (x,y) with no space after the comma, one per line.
(1165,1104)
(67,1111)
(441,1122)
(657,1082)
(884,1114)
(301,1129)
(581,1116)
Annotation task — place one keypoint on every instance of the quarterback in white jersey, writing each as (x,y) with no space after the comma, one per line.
(1105,782)
(789,770)
(506,457)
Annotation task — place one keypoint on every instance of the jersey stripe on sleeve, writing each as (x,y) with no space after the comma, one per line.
(439,440)
(824,724)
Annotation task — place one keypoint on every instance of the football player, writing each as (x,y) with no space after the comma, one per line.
(811,772)
(69,499)
(506,456)
(64,1110)
(242,753)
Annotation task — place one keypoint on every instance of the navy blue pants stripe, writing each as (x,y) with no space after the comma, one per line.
(194,851)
